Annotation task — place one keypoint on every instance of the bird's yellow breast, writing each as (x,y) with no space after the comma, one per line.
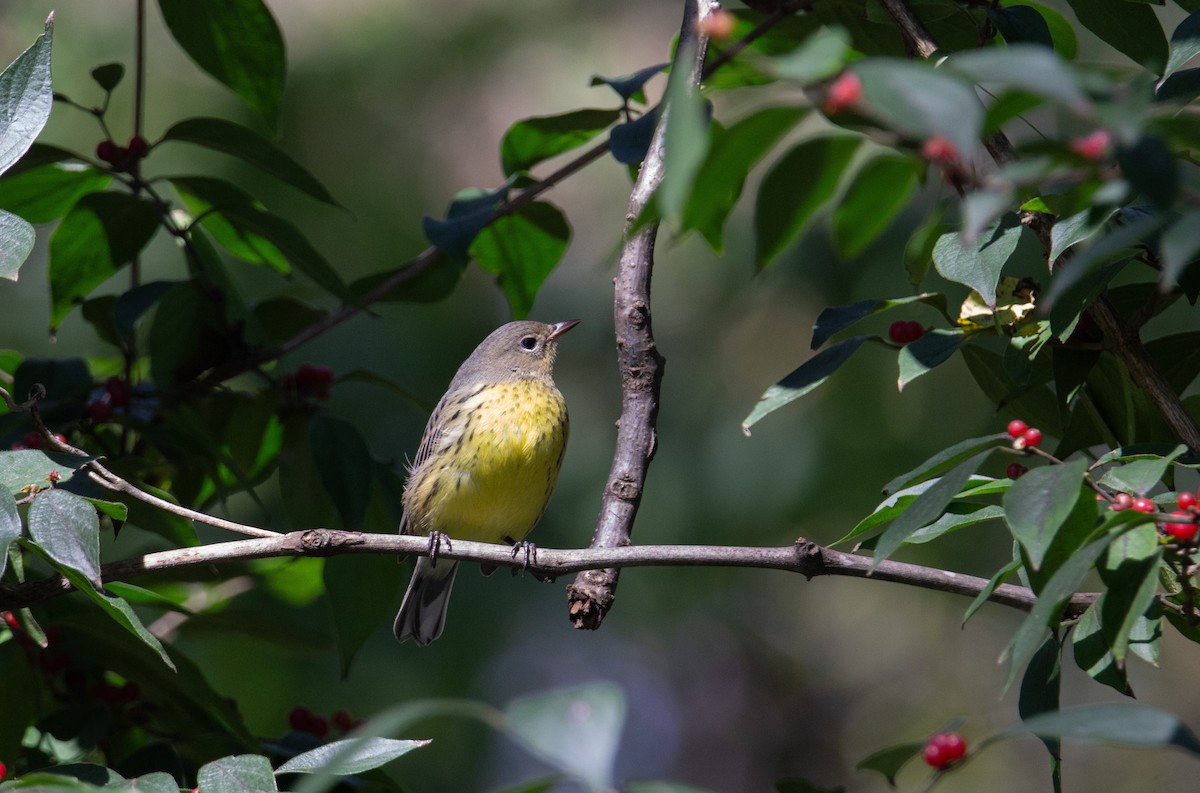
(494,464)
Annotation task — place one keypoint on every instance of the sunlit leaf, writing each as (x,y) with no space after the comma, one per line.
(812,373)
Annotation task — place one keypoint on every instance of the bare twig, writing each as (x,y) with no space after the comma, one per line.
(803,557)
(640,363)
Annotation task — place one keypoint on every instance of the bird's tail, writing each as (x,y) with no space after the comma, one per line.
(423,612)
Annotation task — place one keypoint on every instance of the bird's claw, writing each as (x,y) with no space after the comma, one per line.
(436,538)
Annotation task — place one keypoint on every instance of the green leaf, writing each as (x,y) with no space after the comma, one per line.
(534,140)
(1022,67)
(108,76)
(812,373)
(630,87)
(1093,654)
(235,41)
(16,243)
(1179,247)
(1034,629)
(1140,476)
(25,98)
(834,319)
(927,507)
(66,528)
(889,761)
(798,185)
(1021,24)
(878,193)
(101,233)
(985,594)
(10,526)
(920,102)
(1040,689)
(1151,168)
(522,249)
(918,252)
(1062,32)
(1077,228)
(977,264)
(732,154)
(685,140)
(29,470)
(1185,43)
(468,215)
(187,337)
(250,147)
(630,141)
(926,353)
(117,610)
(350,756)
(1103,251)
(823,54)
(361,589)
(955,518)
(48,192)
(1139,726)
(1040,502)
(245,773)
(576,729)
(944,460)
(131,306)
(1130,28)
(345,468)
(219,205)
(1130,571)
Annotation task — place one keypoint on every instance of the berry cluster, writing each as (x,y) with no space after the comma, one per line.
(309,380)
(1023,435)
(944,749)
(302,719)
(117,394)
(122,157)
(33,440)
(905,331)
(1188,507)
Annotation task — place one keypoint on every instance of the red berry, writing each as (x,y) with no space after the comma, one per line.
(844,93)
(943,749)
(10,620)
(108,151)
(718,25)
(1015,470)
(319,726)
(1016,428)
(1121,502)
(99,411)
(3,771)
(137,146)
(32,440)
(342,720)
(1032,437)
(1143,504)
(898,332)
(939,149)
(1182,532)
(1186,499)
(299,718)
(119,391)
(1092,146)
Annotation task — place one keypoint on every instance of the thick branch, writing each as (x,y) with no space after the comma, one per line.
(804,557)
(640,363)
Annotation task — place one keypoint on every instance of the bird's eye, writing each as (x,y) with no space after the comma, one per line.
(529,342)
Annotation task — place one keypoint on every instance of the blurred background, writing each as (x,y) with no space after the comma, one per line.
(734,678)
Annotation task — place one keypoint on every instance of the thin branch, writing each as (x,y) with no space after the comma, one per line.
(803,557)
(640,363)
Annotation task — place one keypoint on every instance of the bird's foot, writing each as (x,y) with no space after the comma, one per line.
(436,538)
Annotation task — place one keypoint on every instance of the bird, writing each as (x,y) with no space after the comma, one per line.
(487,463)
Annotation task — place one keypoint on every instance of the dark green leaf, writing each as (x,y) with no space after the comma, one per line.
(837,318)
(918,252)
(1021,24)
(108,76)
(926,353)
(576,729)
(1111,246)
(533,140)
(48,192)
(1040,502)
(468,215)
(798,185)
(977,264)
(1093,654)
(25,98)
(16,243)
(246,773)
(345,467)
(219,207)
(1177,357)
(1117,723)
(794,785)
(1131,28)
(350,756)
(1140,476)
(1062,32)
(10,523)
(235,41)
(812,373)
(132,305)
(889,761)
(880,190)
(1179,247)
(1185,43)
(101,233)
(927,507)
(522,249)
(1022,67)
(920,102)
(956,517)
(1040,688)
(823,54)
(66,528)
(1077,228)
(730,157)
(685,141)
(630,87)
(943,461)
(985,594)
(250,147)
(1130,571)
(1181,88)
(361,589)
(306,503)
(1151,169)
(187,337)
(630,141)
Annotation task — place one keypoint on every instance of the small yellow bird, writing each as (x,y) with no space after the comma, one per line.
(487,463)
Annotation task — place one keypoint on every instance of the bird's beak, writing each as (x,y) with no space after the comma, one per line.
(559,328)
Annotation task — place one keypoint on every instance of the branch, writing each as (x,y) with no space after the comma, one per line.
(640,363)
(803,557)
(1121,337)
